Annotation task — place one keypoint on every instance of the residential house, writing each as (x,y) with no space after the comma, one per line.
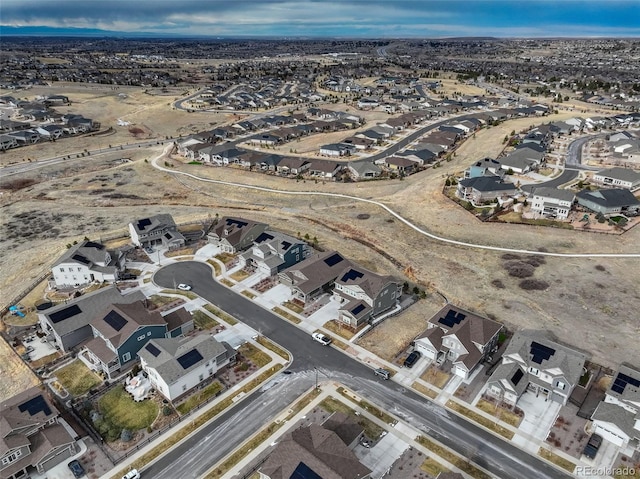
(618,177)
(403,166)
(484,188)
(610,201)
(617,418)
(459,336)
(314,276)
(337,149)
(533,363)
(421,157)
(68,324)
(122,329)
(25,137)
(359,143)
(7,142)
(85,263)
(177,366)
(317,451)
(363,295)
(158,230)
(32,440)
(368,103)
(325,169)
(552,202)
(363,170)
(266,139)
(235,234)
(291,165)
(484,167)
(273,252)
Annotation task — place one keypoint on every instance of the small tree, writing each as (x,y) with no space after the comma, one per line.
(126,436)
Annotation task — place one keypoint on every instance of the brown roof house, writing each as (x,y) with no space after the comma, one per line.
(364,295)
(459,336)
(315,275)
(235,234)
(31,438)
(317,452)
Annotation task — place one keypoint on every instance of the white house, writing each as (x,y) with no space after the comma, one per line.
(552,202)
(617,418)
(176,366)
(85,263)
(459,336)
(156,230)
(618,178)
(533,363)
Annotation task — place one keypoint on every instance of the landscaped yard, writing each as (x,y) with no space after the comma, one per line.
(286,315)
(296,308)
(248,294)
(221,314)
(483,421)
(430,393)
(557,460)
(339,328)
(200,397)
(452,458)
(253,354)
(117,408)
(216,267)
(500,412)
(77,378)
(225,257)
(433,375)
(203,321)
(371,429)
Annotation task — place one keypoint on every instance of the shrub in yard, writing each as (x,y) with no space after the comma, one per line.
(166,410)
(533,285)
(125,435)
(519,269)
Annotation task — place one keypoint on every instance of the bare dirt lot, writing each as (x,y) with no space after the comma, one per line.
(592,304)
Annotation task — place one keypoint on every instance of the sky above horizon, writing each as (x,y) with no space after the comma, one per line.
(331,18)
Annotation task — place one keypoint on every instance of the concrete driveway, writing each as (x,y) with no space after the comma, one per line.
(539,416)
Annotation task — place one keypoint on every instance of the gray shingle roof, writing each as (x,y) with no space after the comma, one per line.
(555,193)
(609,198)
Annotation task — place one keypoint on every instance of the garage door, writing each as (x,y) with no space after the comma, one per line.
(429,353)
(608,435)
(57,459)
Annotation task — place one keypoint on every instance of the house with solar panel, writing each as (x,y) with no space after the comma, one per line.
(533,363)
(85,263)
(617,418)
(121,331)
(232,235)
(459,337)
(176,366)
(273,252)
(364,295)
(314,276)
(158,230)
(68,325)
(32,439)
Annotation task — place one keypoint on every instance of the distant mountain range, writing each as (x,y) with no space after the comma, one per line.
(43,31)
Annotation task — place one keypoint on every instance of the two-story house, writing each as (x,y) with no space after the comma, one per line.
(552,202)
(158,230)
(121,331)
(85,263)
(617,418)
(273,252)
(176,366)
(533,363)
(459,336)
(31,438)
(618,178)
(69,324)
(364,295)
(235,234)
(484,188)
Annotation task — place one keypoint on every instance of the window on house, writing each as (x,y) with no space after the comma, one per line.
(534,371)
(11,457)
(561,385)
(201,377)
(140,338)
(211,372)
(62,270)
(126,357)
(184,387)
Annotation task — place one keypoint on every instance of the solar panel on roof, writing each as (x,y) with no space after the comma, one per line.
(333,260)
(351,275)
(152,349)
(91,244)
(35,405)
(142,224)
(357,309)
(263,237)
(621,382)
(115,320)
(238,223)
(190,358)
(65,313)
(304,472)
(540,352)
(285,245)
(167,235)
(452,318)
(517,377)
(80,259)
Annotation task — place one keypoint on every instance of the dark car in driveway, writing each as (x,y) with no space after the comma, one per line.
(76,468)
(592,447)
(412,359)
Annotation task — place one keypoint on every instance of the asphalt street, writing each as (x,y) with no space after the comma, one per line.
(219,437)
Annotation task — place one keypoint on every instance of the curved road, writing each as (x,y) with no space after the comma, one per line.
(193,457)
(155,164)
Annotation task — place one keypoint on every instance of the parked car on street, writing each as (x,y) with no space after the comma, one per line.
(132,474)
(76,468)
(412,359)
(321,338)
(184,287)
(383,373)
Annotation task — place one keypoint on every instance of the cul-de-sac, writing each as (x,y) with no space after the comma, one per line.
(307,255)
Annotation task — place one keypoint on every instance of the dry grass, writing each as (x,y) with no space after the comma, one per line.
(556,459)
(77,378)
(433,375)
(179,252)
(371,429)
(248,294)
(340,329)
(239,275)
(430,393)
(394,335)
(226,282)
(432,467)
(221,314)
(203,321)
(479,419)
(452,458)
(286,315)
(15,376)
(296,308)
(501,413)
(270,345)
(216,267)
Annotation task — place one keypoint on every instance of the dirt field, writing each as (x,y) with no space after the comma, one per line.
(590,303)
(15,376)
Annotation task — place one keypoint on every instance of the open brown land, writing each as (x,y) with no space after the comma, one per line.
(590,303)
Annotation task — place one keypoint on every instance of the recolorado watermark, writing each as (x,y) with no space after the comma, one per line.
(604,471)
